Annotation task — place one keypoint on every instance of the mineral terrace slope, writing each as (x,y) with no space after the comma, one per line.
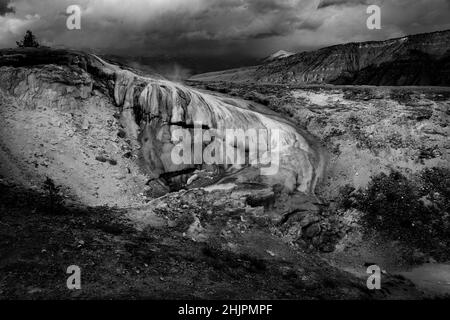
(148,109)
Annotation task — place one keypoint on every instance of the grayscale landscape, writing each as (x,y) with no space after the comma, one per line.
(362,150)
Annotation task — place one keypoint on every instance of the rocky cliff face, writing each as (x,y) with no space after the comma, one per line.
(414,60)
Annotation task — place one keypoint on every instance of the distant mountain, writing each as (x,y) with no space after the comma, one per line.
(422,59)
(278,55)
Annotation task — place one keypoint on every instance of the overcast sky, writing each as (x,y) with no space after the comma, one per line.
(215,27)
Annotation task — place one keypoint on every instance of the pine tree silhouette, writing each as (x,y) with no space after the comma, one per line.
(29,41)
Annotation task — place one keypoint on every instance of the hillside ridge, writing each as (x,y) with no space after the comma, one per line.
(422,59)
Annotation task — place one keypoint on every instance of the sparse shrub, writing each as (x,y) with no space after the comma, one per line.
(364,141)
(401,96)
(54,203)
(415,212)
(359,94)
(345,199)
(428,153)
(395,141)
(422,114)
(437,180)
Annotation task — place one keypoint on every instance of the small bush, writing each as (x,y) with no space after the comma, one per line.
(54,201)
(415,212)
(401,96)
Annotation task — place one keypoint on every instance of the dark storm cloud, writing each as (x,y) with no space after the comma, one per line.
(5,7)
(265,6)
(158,23)
(222,27)
(235,20)
(331,3)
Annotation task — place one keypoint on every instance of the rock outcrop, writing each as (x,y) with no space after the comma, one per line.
(278,56)
(422,59)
